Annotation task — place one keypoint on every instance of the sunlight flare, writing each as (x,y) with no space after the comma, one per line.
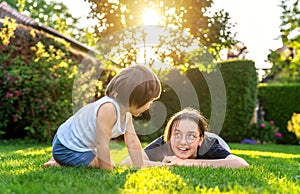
(150,17)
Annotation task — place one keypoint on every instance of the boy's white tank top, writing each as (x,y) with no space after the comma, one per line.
(78,133)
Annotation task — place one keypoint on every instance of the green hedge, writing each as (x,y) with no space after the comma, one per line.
(240,80)
(279,102)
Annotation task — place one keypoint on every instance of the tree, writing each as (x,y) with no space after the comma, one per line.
(53,14)
(237,51)
(212,30)
(286,60)
(290,20)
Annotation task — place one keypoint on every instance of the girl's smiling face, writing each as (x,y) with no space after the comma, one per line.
(185,139)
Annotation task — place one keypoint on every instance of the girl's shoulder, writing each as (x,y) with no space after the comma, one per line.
(106,99)
(212,138)
(107,102)
(106,106)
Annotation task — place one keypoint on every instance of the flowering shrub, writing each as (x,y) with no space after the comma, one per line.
(263,132)
(294,124)
(7,32)
(36,80)
(37,71)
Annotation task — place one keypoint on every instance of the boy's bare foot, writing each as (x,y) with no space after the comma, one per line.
(51,163)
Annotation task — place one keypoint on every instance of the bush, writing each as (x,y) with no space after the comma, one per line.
(36,83)
(279,102)
(263,132)
(240,79)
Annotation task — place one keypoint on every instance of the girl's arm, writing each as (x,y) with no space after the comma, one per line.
(106,118)
(128,162)
(231,161)
(133,144)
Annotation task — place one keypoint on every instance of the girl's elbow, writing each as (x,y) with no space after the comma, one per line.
(241,163)
(238,161)
(245,164)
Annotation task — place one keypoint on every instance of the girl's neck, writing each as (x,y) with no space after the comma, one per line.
(123,110)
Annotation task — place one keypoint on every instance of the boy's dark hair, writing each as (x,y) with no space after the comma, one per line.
(189,114)
(134,86)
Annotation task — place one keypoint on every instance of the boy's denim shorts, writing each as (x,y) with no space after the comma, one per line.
(68,157)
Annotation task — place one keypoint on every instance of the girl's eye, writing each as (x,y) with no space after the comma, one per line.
(177,136)
(191,136)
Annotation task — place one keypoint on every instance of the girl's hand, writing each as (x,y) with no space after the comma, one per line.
(169,159)
(173,161)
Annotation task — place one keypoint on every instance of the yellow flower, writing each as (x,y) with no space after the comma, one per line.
(293,125)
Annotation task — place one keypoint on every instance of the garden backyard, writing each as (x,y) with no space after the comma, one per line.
(273,169)
(46,75)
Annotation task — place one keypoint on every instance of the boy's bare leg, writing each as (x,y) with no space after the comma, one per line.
(50,163)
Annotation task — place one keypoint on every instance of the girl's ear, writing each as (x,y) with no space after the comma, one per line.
(201,140)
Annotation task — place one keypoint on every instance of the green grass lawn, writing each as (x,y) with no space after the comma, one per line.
(274,169)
